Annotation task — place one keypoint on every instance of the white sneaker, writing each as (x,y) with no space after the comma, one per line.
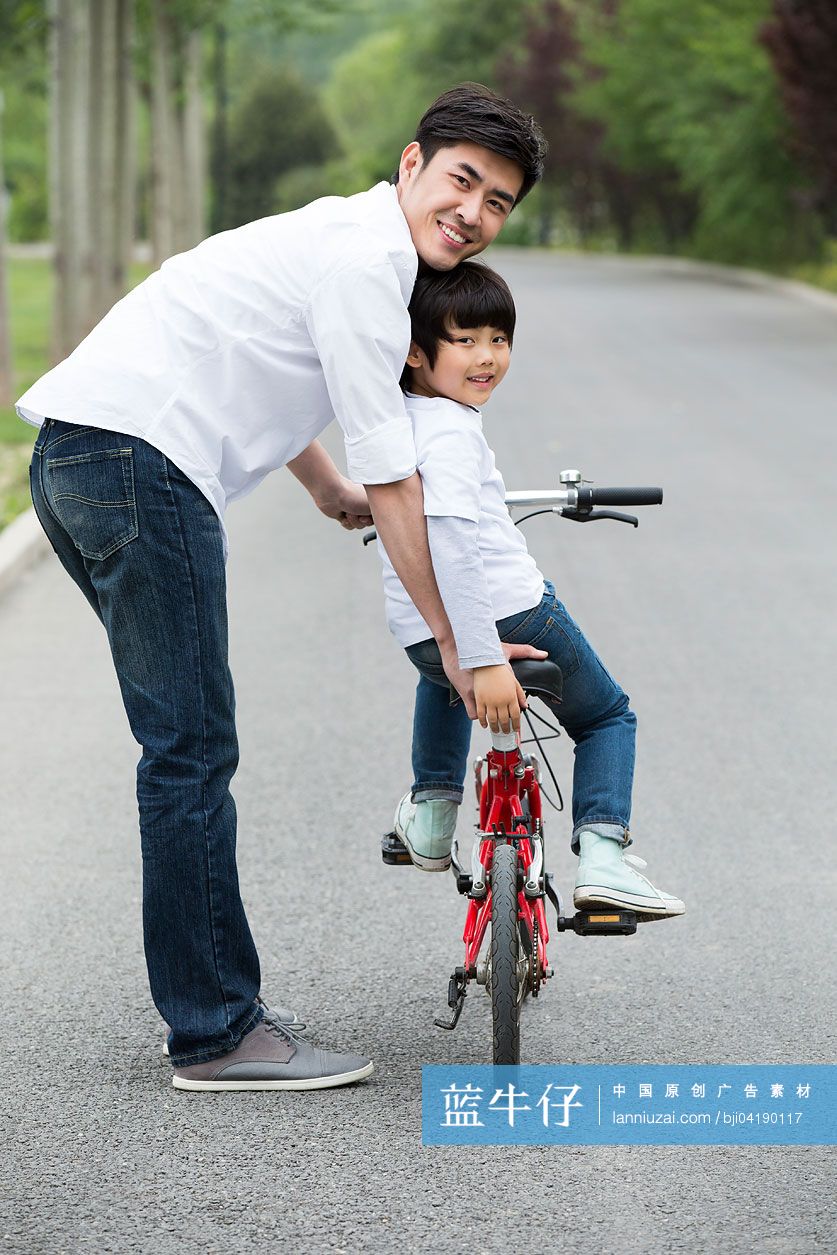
(606,875)
(427,829)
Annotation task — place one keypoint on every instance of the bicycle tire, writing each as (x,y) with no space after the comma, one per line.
(505,955)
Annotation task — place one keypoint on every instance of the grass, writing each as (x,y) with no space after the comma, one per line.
(821,274)
(30,303)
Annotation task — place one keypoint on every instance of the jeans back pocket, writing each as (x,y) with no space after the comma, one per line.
(92,495)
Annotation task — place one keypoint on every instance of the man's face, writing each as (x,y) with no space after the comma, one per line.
(457,202)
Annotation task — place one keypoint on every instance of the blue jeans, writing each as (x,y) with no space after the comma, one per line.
(145,547)
(594,713)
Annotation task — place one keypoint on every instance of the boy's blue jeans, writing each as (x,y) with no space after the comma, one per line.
(145,547)
(594,713)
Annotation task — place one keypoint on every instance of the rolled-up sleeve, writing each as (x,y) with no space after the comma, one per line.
(358,322)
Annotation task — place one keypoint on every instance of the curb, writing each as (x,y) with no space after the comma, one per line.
(22,544)
(734,276)
(737,276)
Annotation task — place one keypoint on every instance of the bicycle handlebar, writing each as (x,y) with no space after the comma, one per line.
(577,502)
(584,499)
(618,496)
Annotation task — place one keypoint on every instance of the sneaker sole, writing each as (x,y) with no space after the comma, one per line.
(596,895)
(421,861)
(313,1082)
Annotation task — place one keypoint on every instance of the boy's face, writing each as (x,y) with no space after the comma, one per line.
(467,368)
(457,202)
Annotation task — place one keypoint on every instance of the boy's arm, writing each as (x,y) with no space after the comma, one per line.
(454,547)
(452,462)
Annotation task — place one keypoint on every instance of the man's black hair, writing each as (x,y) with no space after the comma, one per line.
(471,113)
(470,295)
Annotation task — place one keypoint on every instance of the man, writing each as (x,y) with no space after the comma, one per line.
(222,366)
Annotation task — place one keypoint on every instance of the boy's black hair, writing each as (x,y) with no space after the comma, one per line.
(471,113)
(469,295)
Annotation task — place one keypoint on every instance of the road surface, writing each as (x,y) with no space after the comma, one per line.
(717,616)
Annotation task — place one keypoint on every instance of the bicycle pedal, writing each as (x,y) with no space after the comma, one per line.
(393,850)
(594,922)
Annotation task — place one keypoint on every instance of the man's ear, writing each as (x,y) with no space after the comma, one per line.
(410,162)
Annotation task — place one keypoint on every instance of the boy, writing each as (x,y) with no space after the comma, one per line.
(462,330)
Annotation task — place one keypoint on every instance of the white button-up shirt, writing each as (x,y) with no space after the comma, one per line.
(234,356)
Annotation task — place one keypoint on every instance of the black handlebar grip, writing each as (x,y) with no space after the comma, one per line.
(588,497)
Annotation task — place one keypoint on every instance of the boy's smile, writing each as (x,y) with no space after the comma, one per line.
(457,202)
(468,367)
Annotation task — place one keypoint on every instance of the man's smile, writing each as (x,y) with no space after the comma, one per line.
(452,235)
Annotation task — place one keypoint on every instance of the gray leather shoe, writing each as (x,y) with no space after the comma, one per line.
(273,1056)
(274,1015)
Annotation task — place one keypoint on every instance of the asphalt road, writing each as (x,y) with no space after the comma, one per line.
(716,615)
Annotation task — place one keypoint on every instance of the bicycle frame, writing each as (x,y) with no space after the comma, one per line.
(509,781)
(510,815)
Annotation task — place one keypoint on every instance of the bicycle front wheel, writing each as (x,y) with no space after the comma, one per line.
(505,955)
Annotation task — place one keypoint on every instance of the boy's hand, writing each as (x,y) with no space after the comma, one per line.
(462,681)
(499,698)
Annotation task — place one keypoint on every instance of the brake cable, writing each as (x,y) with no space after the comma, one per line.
(554,734)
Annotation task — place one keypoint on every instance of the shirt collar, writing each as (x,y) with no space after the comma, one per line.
(430,402)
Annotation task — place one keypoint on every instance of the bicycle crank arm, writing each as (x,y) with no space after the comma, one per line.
(456,998)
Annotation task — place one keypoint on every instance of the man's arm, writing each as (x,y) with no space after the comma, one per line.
(398,510)
(336,496)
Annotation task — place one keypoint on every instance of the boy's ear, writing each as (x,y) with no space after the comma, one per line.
(415,355)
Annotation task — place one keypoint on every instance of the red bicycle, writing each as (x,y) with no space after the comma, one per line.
(507,885)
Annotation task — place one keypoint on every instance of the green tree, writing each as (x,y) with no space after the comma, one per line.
(686,94)
(382,86)
(374,98)
(277,126)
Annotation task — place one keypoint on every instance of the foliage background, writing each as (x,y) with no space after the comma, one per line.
(706,128)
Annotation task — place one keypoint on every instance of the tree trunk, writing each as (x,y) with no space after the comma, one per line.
(6,379)
(220,177)
(100,107)
(125,160)
(194,148)
(69,115)
(162,135)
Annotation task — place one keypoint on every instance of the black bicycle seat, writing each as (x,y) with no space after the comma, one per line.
(540,679)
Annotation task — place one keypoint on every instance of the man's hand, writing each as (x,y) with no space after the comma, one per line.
(336,496)
(347,503)
(523,651)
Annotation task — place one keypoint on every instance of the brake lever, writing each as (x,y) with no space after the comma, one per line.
(581,516)
(369,536)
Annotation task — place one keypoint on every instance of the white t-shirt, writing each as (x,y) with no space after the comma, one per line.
(234,356)
(461,480)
